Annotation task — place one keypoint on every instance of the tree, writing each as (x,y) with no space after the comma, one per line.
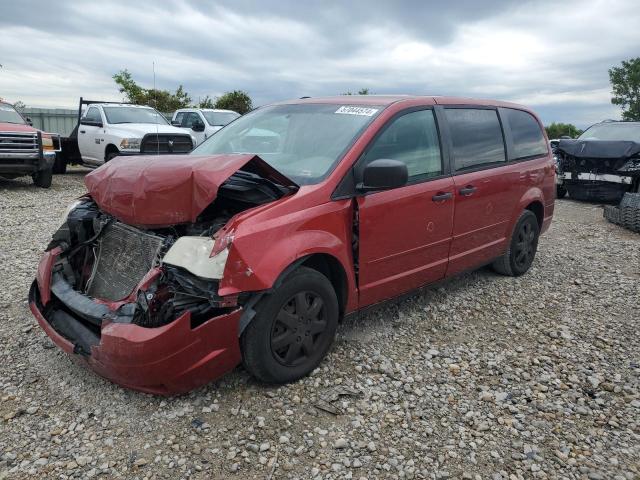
(362,91)
(625,81)
(161,100)
(206,102)
(557,130)
(19,106)
(238,101)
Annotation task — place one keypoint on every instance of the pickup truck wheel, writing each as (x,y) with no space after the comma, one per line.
(561,191)
(293,328)
(43,178)
(110,155)
(522,248)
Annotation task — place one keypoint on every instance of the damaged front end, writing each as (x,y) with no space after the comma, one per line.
(140,303)
(599,170)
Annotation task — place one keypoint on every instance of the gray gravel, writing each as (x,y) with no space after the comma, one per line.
(486,377)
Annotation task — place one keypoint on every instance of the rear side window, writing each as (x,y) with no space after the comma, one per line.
(476,136)
(528,139)
(412,139)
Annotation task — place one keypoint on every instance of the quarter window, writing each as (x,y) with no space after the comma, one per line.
(412,139)
(476,136)
(528,139)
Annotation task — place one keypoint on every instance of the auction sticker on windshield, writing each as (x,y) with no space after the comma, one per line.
(347,110)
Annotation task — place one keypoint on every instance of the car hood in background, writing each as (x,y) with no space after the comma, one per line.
(141,129)
(163,190)
(609,149)
(16,127)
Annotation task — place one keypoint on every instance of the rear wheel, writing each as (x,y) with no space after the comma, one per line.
(43,178)
(522,248)
(293,328)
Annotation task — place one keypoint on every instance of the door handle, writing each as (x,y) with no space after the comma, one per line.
(468,190)
(83,131)
(441,196)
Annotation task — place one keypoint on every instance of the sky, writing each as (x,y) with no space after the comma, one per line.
(551,56)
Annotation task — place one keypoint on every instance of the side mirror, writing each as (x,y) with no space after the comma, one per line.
(198,127)
(176,123)
(384,174)
(29,121)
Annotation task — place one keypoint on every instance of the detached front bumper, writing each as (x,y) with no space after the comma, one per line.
(167,360)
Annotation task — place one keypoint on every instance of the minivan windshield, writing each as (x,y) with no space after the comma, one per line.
(613,131)
(219,119)
(302,141)
(133,115)
(8,114)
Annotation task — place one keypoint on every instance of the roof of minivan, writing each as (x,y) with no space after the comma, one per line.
(386,100)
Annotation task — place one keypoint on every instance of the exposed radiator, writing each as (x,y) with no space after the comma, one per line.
(125,255)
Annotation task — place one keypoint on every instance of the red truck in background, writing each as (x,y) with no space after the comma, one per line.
(25,150)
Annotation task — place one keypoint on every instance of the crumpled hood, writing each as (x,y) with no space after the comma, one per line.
(599,148)
(163,190)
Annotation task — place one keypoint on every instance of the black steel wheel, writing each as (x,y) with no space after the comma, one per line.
(293,329)
(522,248)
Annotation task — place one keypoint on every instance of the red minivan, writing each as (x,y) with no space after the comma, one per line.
(172,270)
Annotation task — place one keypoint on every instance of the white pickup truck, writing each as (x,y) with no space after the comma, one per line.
(106,130)
(202,122)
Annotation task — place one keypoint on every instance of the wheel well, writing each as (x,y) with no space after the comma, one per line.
(331,268)
(538,210)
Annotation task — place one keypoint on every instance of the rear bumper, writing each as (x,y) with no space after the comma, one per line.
(167,360)
(11,163)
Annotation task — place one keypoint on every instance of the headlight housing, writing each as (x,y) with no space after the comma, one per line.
(130,144)
(47,144)
(194,254)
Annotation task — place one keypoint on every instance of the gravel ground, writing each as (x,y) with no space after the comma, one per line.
(484,377)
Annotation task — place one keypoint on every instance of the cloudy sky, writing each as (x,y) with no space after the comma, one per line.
(552,56)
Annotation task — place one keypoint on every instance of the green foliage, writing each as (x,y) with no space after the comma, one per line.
(557,130)
(206,102)
(362,91)
(161,100)
(19,106)
(238,101)
(625,81)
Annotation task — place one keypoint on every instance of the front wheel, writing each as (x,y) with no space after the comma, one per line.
(293,328)
(561,191)
(522,248)
(42,178)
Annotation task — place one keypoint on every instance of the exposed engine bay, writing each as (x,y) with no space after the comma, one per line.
(103,260)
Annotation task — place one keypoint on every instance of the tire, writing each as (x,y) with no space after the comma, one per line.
(110,155)
(279,345)
(523,239)
(59,166)
(561,191)
(43,178)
